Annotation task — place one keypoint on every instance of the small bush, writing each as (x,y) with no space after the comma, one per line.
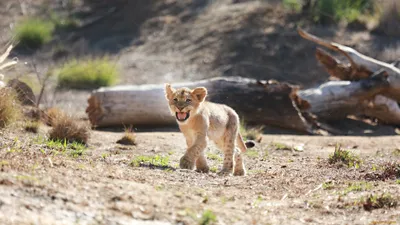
(292,4)
(66,128)
(87,74)
(33,32)
(10,108)
(328,11)
(344,156)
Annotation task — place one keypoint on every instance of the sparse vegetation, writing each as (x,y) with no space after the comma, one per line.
(389,170)
(129,138)
(379,201)
(151,161)
(252,153)
(357,186)
(10,110)
(66,128)
(213,156)
(34,32)
(51,115)
(344,157)
(32,126)
(328,185)
(208,217)
(87,74)
(327,11)
(280,146)
(254,133)
(213,169)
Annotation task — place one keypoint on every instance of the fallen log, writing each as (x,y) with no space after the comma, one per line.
(145,105)
(258,102)
(360,67)
(336,100)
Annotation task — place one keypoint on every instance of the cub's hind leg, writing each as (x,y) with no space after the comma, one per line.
(228,147)
(239,169)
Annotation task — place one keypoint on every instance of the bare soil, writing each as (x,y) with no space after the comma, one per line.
(40,186)
(170,41)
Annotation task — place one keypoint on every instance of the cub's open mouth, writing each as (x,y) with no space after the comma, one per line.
(182,116)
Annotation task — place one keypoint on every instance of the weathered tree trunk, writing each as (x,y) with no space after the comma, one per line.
(337,99)
(256,102)
(361,66)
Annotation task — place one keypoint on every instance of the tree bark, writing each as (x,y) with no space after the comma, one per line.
(337,99)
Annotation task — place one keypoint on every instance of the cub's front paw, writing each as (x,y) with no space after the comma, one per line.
(203,169)
(186,163)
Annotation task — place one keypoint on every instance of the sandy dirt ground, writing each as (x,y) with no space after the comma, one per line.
(40,184)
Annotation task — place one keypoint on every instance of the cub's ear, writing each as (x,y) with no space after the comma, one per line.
(169,91)
(200,93)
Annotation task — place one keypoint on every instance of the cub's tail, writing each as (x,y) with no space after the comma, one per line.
(242,145)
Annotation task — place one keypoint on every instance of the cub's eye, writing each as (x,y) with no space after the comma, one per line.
(188,100)
(175,99)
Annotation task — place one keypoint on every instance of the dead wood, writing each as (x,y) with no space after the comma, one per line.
(259,102)
(360,67)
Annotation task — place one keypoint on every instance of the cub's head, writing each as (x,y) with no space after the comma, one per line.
(184,102)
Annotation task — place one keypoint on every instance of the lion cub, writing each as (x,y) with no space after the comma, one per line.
(199,121)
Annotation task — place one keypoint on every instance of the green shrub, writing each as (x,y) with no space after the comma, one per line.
(33,32)
(87,74)
(336,10)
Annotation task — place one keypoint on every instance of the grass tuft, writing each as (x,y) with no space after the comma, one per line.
(345,157)
(357,186)
(389,170)
(34,32)
(10,108)
(377,202)
(32,126)
(129,138)
(254,133)
(87,74)
(208,217)
(150,161)
(66,128)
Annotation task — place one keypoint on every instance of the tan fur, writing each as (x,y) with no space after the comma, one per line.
(207,121)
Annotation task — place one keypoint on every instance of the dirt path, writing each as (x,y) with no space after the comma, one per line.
(38,186)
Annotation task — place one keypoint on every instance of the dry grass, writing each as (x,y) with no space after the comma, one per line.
(10,108)
(253,133)
(51,115)
(66,128)
(343,156)
(32,126)
(129,138)
(389,170)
